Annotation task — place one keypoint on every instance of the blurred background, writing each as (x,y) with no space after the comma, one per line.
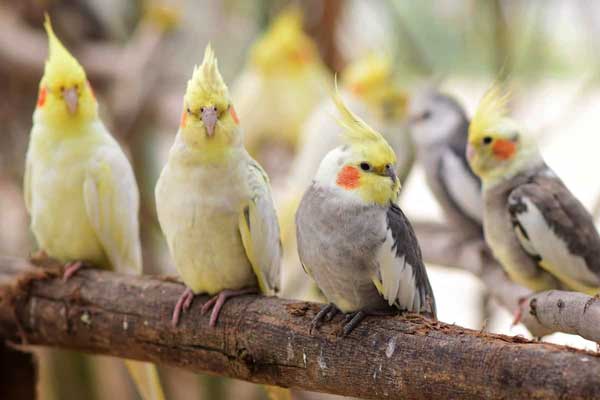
(140,54)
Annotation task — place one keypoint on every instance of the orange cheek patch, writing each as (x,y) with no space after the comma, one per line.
(504,149)
(234,115)
(348,178)
(42,96)
(183,119)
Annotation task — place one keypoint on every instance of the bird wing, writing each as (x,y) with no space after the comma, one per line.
(112,203)
(260,230)
(555,228)
(402,276)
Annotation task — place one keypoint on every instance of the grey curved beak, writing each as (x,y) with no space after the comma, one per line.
(392,174)
(71,98)
(209,118)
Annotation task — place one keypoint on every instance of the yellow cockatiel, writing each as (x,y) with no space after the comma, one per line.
(80,189)
(214,202)
(281,84)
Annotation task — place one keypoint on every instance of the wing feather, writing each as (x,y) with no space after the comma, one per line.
(259,229)
(112,203)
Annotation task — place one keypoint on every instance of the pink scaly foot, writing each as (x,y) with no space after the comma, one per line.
(519,311)
(216,303)
(70,269)
(183,304)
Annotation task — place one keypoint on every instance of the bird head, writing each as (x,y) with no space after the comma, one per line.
(496,148)
(284,48)
(364,167)
(371,78)
(208,119)
(434,118)
(65,96)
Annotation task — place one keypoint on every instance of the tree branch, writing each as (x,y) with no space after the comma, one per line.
(266,340)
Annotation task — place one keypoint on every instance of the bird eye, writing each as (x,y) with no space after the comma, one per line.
(388,166)
(426,114)
(215,108)
(188,110)
(487,140)
(365,166)
(201,109)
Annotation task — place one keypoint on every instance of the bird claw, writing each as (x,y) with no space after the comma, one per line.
(351,321)
(70,269)
(217,302)
(326,314)
(518,314)
(183,304)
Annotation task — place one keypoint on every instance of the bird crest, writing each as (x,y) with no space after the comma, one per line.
(373,70)
(207,84)
(61,66)
(357,132)
(492,111)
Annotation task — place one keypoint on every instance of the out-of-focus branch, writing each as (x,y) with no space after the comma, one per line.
(444,245)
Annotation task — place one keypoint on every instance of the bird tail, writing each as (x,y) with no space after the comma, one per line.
(145,377)
(278,393)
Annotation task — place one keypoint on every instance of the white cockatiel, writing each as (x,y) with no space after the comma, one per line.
(80,189)
(353,239)
(439,127)
(214,202)
(541,234)
(370,89)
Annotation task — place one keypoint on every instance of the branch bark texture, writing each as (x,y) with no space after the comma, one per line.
(267,340)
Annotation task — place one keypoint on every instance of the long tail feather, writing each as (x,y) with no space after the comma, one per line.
(145,377)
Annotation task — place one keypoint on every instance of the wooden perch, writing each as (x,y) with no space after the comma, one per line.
(267,340)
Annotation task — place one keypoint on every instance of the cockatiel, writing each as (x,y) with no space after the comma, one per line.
(214,202)
(541,234)
(353,239)
(80,190)
(439,127)
(282,82)
(369,88)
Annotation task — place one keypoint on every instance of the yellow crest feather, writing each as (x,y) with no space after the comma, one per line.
(492,110)
(356,130)
(206,84)
(61,65)
(360,135)
(373,70)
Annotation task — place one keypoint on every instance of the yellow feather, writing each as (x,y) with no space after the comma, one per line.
(61,65)
(207,85)
(491,112)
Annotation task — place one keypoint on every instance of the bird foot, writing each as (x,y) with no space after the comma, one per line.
(518,314)
(70,269)
(352,320)
(183,304)
(326,314)
(216,303)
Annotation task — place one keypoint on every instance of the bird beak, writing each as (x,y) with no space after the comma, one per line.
(209,118)
(71,99)
(391,174)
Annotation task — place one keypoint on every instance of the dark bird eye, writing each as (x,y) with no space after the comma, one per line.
(189,111)
(201,109)
(215,108)
(487,140)
(365,166)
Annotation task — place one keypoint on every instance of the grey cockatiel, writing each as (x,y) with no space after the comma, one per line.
(541,234)
(439,127)
(352,237)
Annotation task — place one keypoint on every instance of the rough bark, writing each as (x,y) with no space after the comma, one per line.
(267,340)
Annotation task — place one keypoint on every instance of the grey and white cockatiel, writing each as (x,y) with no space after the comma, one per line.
(439,127)
(540,233)
(353,239)
(370,89)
